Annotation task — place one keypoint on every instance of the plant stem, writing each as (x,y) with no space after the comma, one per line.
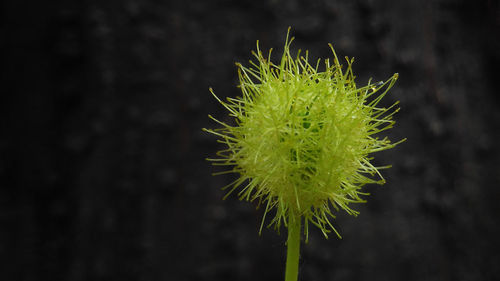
(293,250)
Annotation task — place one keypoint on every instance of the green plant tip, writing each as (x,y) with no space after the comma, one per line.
(302,138)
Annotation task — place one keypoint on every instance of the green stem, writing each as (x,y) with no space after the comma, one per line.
(293,250)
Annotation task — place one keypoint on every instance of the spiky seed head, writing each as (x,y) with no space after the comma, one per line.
(302,137)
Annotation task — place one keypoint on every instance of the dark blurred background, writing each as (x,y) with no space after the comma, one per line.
(102,164)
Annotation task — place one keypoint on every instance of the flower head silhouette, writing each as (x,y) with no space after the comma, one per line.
(302,138)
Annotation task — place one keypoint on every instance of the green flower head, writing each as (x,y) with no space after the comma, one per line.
(302,137)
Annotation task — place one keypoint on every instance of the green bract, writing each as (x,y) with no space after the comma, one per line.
(302,137)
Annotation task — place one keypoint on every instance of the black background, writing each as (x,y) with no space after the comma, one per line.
(102,155)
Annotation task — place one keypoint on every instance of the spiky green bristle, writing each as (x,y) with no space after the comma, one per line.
(303,137)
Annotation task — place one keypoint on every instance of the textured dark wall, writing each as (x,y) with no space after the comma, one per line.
(102,155)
